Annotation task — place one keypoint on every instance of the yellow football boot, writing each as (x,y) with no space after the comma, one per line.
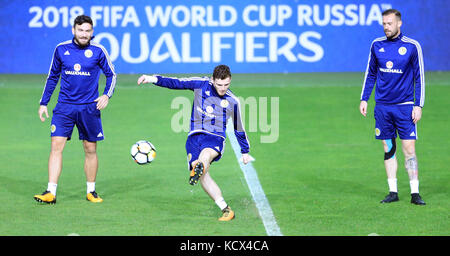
(227,214)
(46,197)
(93,197)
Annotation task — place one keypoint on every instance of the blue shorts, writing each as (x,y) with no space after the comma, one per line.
(196,142)
(390,119)
(85,116)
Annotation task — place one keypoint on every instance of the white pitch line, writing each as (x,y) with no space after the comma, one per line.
(265,211)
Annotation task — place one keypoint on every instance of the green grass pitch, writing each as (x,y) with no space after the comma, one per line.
(323,176)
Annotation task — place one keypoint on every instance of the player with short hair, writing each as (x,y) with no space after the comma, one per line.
(214,104)
(395,65)
(78,62)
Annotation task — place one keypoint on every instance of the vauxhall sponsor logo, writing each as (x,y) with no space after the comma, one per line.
(77,72)
(389,68)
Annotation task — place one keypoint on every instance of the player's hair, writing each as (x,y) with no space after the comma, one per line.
(392,11)
(82,19)
(221,72)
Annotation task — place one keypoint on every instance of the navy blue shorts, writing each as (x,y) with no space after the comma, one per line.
(85,116)
(390,119)
(196,142)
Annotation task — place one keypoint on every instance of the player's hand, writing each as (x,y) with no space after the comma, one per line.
(144,79)
(41,111)
(363,108)
(416,114)
(102,101)
(245,158)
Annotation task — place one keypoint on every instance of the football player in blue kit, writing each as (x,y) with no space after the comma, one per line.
(78,62)
(213,105)
(396,66)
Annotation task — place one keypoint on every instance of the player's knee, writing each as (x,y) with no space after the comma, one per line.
(390,149)
(90,152)
(408,147)
(90,149)
(409,152)
(57,147)
(207,155)
(204,158)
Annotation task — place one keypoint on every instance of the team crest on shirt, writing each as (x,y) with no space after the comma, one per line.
(53,128)
(402,50)
(389,64)
(77,67)
(377,132)
(88,53)
(224,103)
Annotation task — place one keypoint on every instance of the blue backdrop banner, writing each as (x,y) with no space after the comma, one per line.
(194,36)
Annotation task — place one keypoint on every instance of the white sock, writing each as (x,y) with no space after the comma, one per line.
(90,187)
(392,185)
(221,203)
(414,184)
(52,188)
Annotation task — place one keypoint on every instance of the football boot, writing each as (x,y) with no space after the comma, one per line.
(416,199)
(196,173)
(227,214)
(93,197)
(46,197)
(392,197)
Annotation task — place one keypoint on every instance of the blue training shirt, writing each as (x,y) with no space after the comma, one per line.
(210,111)
(396,67)
(79,68)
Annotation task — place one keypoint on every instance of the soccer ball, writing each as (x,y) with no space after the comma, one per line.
(143,152)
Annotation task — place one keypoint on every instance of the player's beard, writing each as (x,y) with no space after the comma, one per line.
(392,34)
(85,39)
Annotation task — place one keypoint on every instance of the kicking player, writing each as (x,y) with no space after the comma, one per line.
(214,103)
(395,65)
(79,62)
